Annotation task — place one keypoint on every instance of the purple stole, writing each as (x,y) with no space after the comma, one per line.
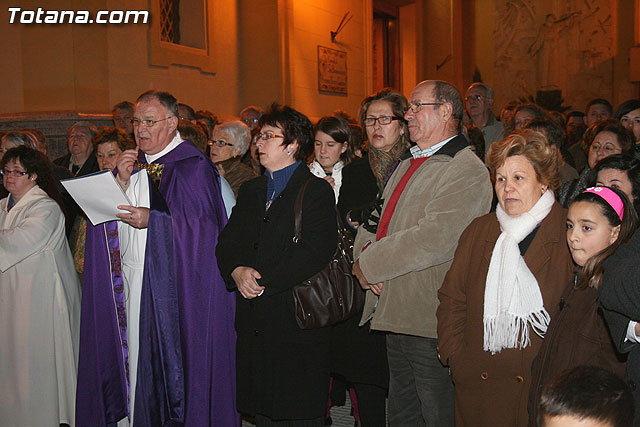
(103,372)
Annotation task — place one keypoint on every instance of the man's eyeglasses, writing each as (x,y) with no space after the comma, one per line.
(219,143)
(476,98)
(415,107)
(15,173)
(268,135)
(147,122)
(382,120)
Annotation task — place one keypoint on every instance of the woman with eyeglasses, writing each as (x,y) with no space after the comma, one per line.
(228,144)
(282,371)
(601,140)
(39,299)
(382,117)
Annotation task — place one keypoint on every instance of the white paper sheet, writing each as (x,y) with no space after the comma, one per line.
(98,195)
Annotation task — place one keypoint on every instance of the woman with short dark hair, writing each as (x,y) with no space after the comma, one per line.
(39,299)
(282,370)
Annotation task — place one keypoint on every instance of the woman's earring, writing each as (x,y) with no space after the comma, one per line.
(288,153)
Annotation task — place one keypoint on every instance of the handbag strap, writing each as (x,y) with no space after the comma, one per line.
(298,212)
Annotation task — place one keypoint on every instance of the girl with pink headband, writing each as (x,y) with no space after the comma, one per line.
(599,220)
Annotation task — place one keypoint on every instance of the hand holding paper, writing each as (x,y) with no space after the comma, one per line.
(99,195)
(135,217)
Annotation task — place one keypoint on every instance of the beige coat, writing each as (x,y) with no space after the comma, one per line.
(442,197)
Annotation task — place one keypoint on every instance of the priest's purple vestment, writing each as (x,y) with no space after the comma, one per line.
(186,362)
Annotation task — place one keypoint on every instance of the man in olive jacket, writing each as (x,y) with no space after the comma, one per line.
(438,188)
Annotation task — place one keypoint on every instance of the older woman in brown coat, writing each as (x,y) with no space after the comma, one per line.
(507,277)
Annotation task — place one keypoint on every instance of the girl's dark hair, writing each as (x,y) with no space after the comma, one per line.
(338,129)
(626,107)
(295,127)
(593,269)
(622,163)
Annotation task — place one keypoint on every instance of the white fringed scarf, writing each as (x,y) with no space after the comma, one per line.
(512,298)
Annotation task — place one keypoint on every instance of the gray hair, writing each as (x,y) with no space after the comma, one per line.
(446,92)
(487,89)
(165,99)
(84,124)
(238,132)
(22,137)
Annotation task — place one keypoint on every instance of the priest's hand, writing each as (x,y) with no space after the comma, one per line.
(125,162)
(245,278)
(135,217)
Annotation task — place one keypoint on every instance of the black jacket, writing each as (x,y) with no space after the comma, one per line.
(357,353)
(620,298)
(89,166)
(282,371)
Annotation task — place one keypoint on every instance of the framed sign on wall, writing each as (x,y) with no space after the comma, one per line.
(332,70)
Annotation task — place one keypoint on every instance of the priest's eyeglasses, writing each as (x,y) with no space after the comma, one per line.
(15,173)
(147,122)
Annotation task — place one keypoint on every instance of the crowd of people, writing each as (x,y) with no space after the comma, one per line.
(497,255)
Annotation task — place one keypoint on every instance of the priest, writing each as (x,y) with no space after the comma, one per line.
(157,342)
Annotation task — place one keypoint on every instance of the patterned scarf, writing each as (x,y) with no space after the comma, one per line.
(381,161)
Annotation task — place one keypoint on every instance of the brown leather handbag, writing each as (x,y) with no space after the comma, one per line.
(333,294)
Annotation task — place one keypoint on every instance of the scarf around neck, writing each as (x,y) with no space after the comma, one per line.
(381,161)
(512,298)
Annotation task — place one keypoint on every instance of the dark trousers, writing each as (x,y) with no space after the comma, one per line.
(420,387)
(371,405)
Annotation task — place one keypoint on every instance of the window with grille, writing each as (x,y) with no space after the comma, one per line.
(180,35)
(170,21)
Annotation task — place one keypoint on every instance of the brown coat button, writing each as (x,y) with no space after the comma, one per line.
(519,379)
(484,375)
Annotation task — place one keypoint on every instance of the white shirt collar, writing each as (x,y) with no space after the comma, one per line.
(177,140)
(417,153)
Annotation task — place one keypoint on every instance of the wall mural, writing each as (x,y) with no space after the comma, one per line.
(550,45)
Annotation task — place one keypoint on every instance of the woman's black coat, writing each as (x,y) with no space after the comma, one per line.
(282,371)
(357,353)
(620,298)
